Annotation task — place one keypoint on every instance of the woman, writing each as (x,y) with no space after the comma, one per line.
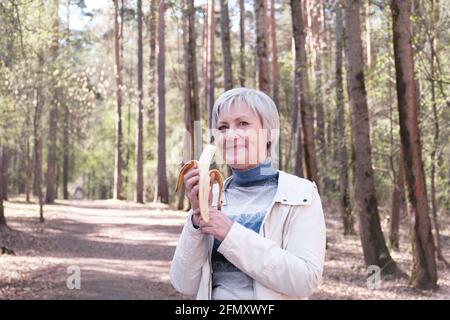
(268,242)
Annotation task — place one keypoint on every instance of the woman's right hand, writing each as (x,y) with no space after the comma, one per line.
(191,179)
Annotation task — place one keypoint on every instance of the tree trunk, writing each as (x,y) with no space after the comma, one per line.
(4,173)
(151,108)
(162,189)
(139,193)
(210,60)
(373,243)
(436,136)
(296,133)
(262,60)
(65,139)
(307,112)
(226,45)
(397,194)
(424,274)
(241,43)
(368,35)
(28,171)
(2,211)
(39,102)
(315,17)
(118,162)
(51,156)
(192,108)
(53,116)
(346,208)
(273,53)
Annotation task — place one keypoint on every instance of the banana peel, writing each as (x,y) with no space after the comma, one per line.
(205,179)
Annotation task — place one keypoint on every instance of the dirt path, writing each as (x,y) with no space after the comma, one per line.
(122,250)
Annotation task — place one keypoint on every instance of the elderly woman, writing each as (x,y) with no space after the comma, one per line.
(268,241)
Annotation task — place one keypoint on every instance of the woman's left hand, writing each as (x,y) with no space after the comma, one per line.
(218,226)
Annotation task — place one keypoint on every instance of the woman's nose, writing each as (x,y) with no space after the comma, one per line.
(233,134)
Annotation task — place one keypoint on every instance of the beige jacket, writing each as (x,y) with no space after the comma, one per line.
(285,259)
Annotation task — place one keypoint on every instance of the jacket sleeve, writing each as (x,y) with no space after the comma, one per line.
(190,255)
(295,271)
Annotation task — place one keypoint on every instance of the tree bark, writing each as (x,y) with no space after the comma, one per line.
(262,60)
(346,208)
(4,173)
(162,189)
(307,112)
(241,43)
(366,206)
(192,108)
(118,160)
(39,102)
(368,36)
(28,172)
(2,210)
(226,45)
(274,70)
(434,155)
(296,133)
(396,201)
(210,60)
(53,116)
(424,274)
(315,35)
(139,152)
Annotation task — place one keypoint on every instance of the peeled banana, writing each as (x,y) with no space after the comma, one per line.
(205,178)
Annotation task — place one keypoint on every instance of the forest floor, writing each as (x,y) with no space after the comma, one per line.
(123,251)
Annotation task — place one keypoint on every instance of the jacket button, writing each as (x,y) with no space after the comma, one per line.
(284,200)
(304,200)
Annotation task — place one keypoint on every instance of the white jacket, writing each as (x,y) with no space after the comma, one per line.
(285,259)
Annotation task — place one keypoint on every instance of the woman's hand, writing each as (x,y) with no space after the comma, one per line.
(191,179)
(218,226)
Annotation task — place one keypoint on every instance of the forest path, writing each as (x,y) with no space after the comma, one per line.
(123,251)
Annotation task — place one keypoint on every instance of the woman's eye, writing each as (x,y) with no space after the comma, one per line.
(243,123)
(222,128)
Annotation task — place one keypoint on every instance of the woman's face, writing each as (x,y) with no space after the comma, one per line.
(240,137)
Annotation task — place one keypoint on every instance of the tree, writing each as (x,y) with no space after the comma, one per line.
(241,43)
(226,45)
(162,189)
(118,161)
(210,60)
(396,201)
(345,204)
(191,103)
(315,35)
(262,60)
(4,172)
(273,53)
(302,87)
(366,206)
(53,115)
(139,152)
(435,150)
(424,274)
(38,108)
(2,211)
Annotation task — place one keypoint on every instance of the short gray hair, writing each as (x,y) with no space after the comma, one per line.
(261,104)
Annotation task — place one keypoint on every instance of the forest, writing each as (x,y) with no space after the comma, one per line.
(98,104)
